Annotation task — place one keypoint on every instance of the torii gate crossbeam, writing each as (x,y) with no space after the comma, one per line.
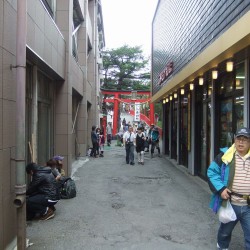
(116,100)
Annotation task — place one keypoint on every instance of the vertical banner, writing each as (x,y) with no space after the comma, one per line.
(137,112)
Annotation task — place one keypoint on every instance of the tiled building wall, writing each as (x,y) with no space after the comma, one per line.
(184,28)
(44,38)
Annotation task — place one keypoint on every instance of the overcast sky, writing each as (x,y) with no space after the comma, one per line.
(128,22)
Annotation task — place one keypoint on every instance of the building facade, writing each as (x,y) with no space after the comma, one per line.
(200,73)
(62,86)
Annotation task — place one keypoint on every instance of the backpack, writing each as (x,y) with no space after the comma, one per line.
(68,189)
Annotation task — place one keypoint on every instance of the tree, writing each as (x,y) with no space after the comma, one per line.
(125,68)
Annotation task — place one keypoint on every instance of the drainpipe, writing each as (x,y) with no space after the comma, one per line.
(20,187)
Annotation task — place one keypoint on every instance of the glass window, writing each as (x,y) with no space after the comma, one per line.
(226,82)
(74,43)
(226,118)
(45,118)
(50,6)
(239,75)
(174,129)
(184,130)
(239,111)
(205,134)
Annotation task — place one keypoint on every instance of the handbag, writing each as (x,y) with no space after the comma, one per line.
(226,214)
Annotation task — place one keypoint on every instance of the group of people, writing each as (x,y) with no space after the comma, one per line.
(98,141)
(140,140)
(43,191)
(228,177)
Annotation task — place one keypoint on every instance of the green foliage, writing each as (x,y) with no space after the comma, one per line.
(158,110)
(125,68)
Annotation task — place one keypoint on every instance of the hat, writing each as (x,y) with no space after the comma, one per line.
(243,132)
(58,158)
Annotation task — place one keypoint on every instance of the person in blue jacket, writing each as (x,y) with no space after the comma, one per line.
(229,179)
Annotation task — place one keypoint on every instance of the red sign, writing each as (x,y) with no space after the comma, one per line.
(166,72)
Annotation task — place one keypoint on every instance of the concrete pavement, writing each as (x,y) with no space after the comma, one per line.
(157,206)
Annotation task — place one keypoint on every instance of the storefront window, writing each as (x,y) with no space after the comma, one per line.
(239,76)
(239,112)
(226,82)
(232,105)
(184,130)
(174,130)
(205,134)
(226,137)
(210,89)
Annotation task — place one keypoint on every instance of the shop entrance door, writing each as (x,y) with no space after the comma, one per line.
(205,139)
(184,132)
(166,129)
(174,131)
(231,119)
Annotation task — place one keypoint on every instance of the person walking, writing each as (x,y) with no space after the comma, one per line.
(229,179)
(150,130)
(109,133)
(139,141)
(98,140)
(155,137)
(129,142)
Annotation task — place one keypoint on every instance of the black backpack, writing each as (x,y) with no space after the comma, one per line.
(68,188)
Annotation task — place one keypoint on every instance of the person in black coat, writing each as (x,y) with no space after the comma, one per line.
(94,140)
(42,193)
(140,140)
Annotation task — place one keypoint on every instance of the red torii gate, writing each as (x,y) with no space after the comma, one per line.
(116,100)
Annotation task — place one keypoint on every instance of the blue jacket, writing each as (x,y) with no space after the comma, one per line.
(220,175)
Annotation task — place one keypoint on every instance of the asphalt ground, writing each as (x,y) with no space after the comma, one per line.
(156,206)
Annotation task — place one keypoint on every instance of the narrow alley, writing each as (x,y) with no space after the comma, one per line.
(154,206)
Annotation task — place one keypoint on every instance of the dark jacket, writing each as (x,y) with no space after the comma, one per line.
(94,137)
(43,182)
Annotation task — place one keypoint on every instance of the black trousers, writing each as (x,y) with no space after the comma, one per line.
(155,144)
(37,204)
(130,148)
(109,137)
(94,149)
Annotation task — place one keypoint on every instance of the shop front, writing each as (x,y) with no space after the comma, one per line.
(200,73)
(219,97)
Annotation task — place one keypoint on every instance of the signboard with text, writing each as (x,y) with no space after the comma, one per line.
(137,112)
(166,72)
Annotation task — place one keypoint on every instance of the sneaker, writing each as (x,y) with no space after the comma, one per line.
(142,163)
(53,208)
(49,215)
(218,247)
(132,163)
